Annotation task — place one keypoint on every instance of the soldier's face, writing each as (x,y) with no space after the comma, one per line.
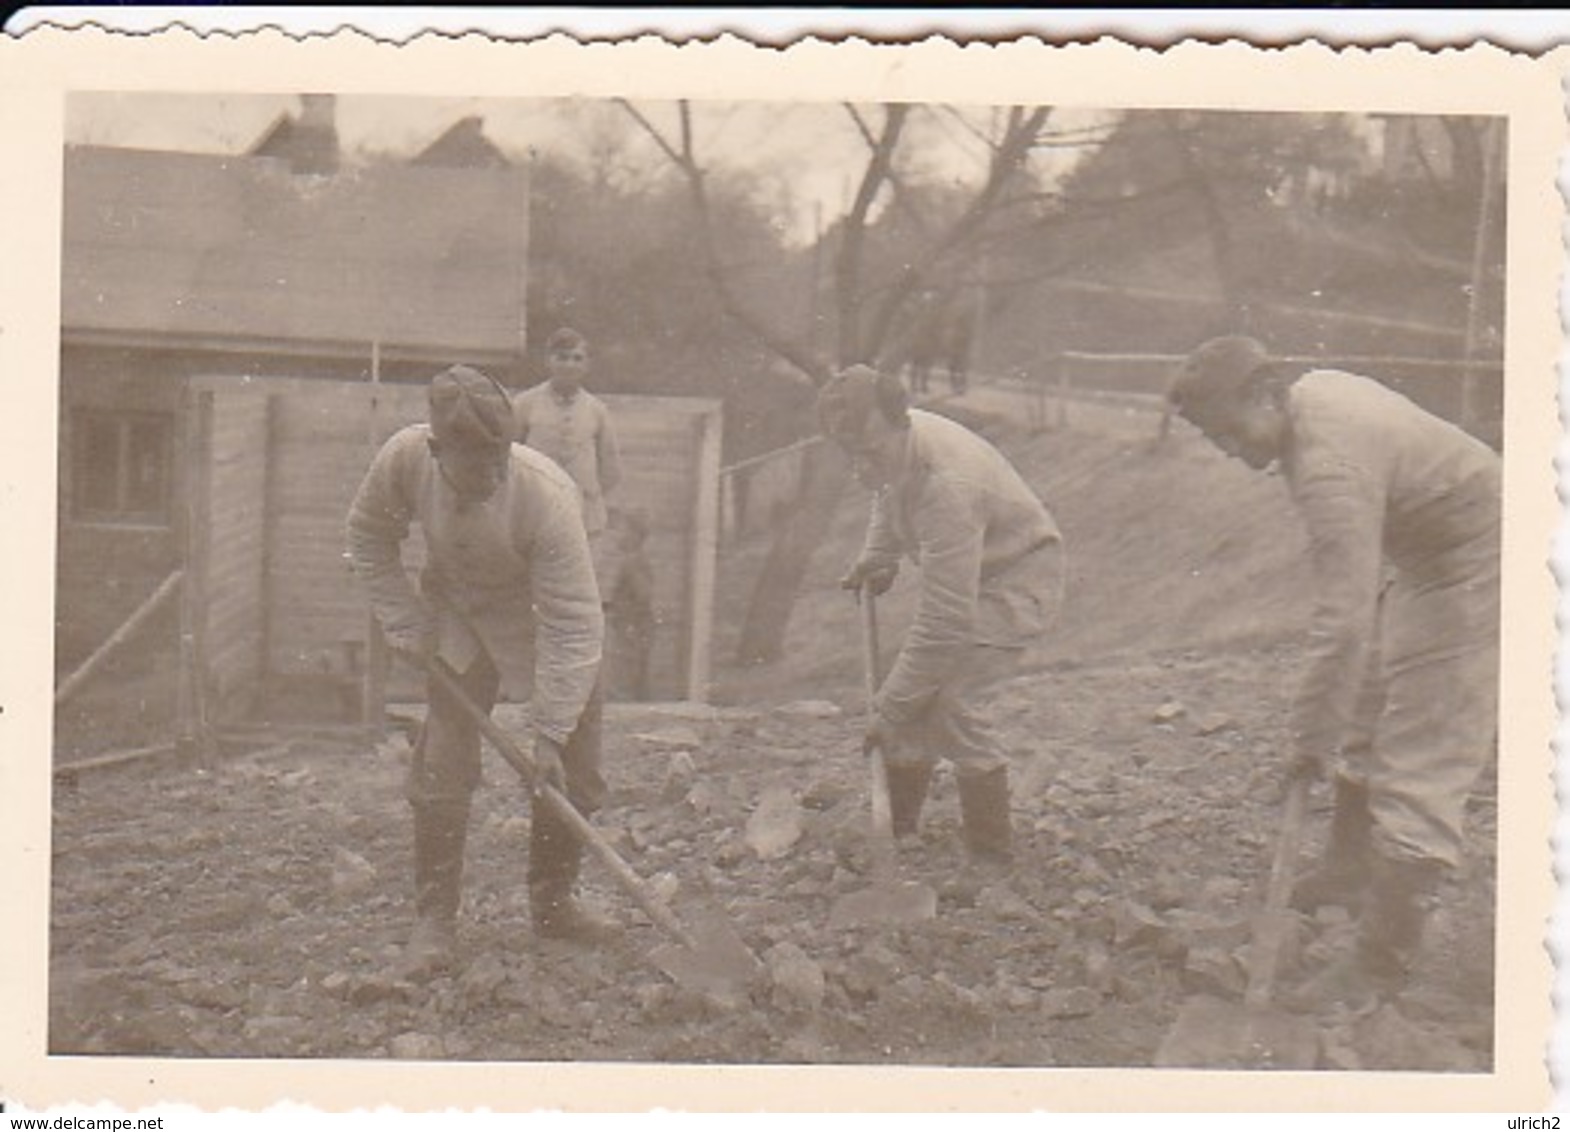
(1250,428)
(568,366)
(875,453)
(474,471)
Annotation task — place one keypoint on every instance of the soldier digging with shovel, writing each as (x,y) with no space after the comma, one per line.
(508,579)
(1399,698)
(991,562)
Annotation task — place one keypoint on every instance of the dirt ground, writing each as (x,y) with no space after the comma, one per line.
(254,907)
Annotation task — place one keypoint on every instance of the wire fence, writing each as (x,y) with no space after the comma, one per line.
(1073,388)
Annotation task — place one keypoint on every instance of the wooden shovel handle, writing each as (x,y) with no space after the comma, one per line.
(512,751)
(878,784)
(1268,934)
(869,642)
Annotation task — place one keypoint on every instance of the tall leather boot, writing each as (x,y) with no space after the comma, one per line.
(1342,875)
(1389,936)
(908,785)
(555,858)
(440,834)
(984,811)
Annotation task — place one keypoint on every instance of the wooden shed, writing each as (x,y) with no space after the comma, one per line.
(180,264)
(272,613)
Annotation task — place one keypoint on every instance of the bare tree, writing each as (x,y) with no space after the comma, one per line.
(866,309)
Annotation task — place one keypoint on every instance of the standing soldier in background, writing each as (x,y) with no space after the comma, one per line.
(992,572)
(1402,667)
(507,581)
(572,426)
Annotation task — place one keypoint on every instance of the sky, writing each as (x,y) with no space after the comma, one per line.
(810,154)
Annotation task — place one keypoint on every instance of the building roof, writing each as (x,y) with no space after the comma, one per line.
(463,146)
(188,247)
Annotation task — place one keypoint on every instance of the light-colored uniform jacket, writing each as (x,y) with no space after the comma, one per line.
(1378,479)
(511,575)
(962,512)
(578,435)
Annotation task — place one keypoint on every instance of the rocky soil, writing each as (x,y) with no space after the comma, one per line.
(254,907)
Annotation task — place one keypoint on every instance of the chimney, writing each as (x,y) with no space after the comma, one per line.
(315,141)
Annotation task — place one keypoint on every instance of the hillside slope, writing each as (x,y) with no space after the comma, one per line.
(1170,547)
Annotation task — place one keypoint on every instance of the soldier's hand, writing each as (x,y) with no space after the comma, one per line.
(548,770)
(1309,764)
(872,575)
(879,736)
(415,643)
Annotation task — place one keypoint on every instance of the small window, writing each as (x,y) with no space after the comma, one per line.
(121,466)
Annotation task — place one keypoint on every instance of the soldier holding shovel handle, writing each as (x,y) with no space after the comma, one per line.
(507,594)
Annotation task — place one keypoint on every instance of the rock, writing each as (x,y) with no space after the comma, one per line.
(336,983)
(1388,1040)
(908,992)
(824,794)
(811,709)
(797,980)
(271,1032)
(1168,712)
(1209,970)
(680,773)
(1070,1002)
(482,978)
(665,886)
(554,1008)
(1221,890)
(708,795)
(961,997)
(803,1049)
(1098,967)
(514,827)
(1168,890)
(373,989)
(1013,996)
(214,996)
(352,875)
(1214,723)
(1199,930)
(870,970)
(416,1046)
(279,906)
(1138,925)
(651,998)
(671,739)
(775,825)
(730,854)
(1002,902)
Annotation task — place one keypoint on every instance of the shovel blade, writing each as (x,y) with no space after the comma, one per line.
(716,962)
(1211,1033)
(907,902)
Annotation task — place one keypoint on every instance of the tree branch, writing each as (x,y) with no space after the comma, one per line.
(686,161)
(1018,137)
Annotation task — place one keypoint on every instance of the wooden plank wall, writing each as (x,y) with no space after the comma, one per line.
(663,445)
(234,560)
(322,437)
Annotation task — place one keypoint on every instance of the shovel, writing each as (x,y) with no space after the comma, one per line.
(889,900)
(710,958)
(1211,1033)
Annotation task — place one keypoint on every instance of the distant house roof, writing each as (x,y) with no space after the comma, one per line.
(186,246)
(309,142)
(463,146)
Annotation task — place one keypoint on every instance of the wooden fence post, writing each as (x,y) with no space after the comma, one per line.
(194,740)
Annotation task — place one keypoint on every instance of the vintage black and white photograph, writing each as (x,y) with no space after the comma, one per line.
(796,581)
